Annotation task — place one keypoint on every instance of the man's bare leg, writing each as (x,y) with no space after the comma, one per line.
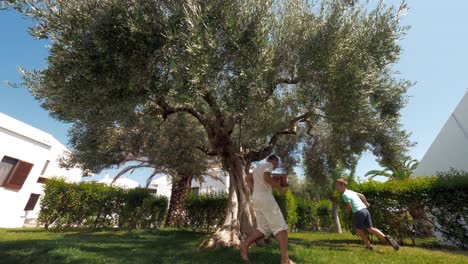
(282,237)
(381,235)
(363,237)
(376,232)
(244,245)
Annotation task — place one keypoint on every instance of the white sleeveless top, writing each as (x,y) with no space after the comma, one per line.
(260,186)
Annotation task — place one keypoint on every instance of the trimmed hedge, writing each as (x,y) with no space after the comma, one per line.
(306,215)
(143,210)
(324,214)
(288,206)
(443,198)
(205,212)
(85,204)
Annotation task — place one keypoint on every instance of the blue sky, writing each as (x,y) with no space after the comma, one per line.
(435,56)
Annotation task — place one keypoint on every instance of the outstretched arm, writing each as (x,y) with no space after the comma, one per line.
(363,198)
(268,179)
(348,208)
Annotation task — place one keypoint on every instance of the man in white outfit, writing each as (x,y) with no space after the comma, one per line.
(270,220)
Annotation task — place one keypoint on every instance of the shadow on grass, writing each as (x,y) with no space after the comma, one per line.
(162,246)
(119,247)
(347,244)
(335,244)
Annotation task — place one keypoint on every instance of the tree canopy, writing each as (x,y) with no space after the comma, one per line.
(248,72)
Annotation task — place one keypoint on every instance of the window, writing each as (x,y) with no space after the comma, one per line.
(6,167)
(13,172)
(32,202)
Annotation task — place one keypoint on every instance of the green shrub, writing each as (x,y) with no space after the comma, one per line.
(443,197)
(143,210)
(306,215)
(287,204)
(447,205)
(85,204)
(324,214)
(66,205)
(205,212)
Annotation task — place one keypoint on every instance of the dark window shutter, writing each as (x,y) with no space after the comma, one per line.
(42,180)
(7,165)
(18,175)
(32,202)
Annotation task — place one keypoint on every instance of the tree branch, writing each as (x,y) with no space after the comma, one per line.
(206,151)
(266,150)
(129,168)
(169,110)
(211,101)
(155,172)
(293,80)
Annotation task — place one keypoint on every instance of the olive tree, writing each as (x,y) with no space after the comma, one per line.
(266,69)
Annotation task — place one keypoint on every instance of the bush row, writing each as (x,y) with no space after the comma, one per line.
(403,209)
(85,204)
(410,207)
(206,212)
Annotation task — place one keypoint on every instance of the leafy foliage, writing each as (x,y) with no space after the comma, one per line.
(306,215)
(265,66)
(247,72)
(143,210)
(206,211)
(288,206)
(444,198)
(395,173)
(67,205)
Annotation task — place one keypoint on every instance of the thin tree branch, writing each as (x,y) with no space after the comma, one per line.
(211,101)
(266,150)
(169,110)
(155,172)
(206,151)
(293,80)
(129,168)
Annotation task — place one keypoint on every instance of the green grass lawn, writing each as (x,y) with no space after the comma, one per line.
(176,246)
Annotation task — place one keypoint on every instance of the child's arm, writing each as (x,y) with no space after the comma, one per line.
(363,198)
(348,208)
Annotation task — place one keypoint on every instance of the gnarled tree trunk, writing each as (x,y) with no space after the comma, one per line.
(177,215)
(239,219)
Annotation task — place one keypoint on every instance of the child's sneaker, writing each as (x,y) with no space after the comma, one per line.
(392,242)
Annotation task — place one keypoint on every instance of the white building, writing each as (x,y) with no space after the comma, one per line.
(122,182)
(450,148)
(216,181)
(28,157)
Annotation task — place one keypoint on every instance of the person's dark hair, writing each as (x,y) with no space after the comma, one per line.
(342,181)
(273,157)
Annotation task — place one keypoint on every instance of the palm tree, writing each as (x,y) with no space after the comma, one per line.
(393,173)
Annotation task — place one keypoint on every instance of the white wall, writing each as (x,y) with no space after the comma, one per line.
(23,142)
(164,184)
(450,148)
(209,184)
